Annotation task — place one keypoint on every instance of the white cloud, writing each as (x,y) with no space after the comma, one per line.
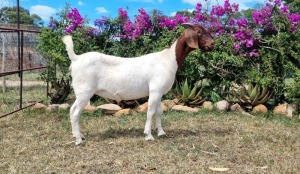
(243,4)
(80,3)
(45,12)
(101,10)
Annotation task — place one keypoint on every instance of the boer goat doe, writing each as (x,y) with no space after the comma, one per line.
(131,78)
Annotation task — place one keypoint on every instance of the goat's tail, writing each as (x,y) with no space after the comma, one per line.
(69,47)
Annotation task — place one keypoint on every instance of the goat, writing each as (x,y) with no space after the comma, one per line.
(131,78)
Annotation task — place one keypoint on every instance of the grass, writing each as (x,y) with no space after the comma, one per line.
(41,142)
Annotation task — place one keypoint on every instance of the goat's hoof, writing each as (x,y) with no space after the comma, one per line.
(161,133)
(149,138)
(78,141)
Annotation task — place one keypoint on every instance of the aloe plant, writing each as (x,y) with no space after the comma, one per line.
(187,95)
(254,94)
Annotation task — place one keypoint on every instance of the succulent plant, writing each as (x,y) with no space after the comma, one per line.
(254,94)
(188,96)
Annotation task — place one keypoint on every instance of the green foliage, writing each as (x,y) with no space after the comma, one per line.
(252,95)
(188,95)
(8,15)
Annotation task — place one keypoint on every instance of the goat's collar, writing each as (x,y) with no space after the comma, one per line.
(181,50)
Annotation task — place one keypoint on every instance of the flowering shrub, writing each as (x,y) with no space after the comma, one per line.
(254,48)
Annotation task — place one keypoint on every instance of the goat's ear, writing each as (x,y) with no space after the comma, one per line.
(191,38)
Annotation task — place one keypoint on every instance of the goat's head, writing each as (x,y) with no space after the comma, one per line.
(198,37)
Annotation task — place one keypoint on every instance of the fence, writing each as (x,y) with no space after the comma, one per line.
(20,65)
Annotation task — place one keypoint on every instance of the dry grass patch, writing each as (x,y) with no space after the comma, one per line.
(40,142)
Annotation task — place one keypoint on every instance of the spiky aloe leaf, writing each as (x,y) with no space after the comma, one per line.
(254,93)
(185,91)
(254,101)
(266,98)
(198,94)
(197,102)
(263,92)
(193,93)
(246,99)
(250,88)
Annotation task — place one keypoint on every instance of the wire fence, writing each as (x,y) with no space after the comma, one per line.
(20,65)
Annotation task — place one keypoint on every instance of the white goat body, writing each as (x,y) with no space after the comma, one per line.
(128,78)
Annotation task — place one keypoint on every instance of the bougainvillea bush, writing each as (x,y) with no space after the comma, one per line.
(260,48)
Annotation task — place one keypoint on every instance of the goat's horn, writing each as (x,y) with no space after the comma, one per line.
(189,24)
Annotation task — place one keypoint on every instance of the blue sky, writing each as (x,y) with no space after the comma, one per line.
(94,9)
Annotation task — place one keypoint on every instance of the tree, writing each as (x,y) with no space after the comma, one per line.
(8,15)
(294,5)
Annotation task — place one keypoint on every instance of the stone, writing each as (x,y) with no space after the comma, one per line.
(236,108)
(262,109)
(291,109)
(184,108)
(39,106)
(222,105)
(64,106)
(164,107)
(52,107)
(89,109)
(123,112)
(109,108)
(142,107)
(281,109)
(169,103)
(208,105)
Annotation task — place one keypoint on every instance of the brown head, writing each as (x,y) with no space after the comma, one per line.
(198,37)
(194,37)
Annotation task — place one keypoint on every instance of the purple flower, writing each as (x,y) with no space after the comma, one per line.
(277,2)
(75,20)
(241,22)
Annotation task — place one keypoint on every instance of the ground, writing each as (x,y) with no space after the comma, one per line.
(41,142)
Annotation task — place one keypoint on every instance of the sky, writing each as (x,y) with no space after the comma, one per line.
(94,9)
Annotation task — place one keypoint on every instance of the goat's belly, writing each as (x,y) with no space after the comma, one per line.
(123,94)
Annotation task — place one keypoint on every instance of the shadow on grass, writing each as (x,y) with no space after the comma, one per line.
(172,133)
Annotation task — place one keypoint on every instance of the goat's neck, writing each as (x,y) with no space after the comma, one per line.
(181,50)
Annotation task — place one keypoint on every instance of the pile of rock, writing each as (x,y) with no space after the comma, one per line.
(286,109)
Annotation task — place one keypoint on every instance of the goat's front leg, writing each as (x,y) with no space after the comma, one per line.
(158,115)
(153,102)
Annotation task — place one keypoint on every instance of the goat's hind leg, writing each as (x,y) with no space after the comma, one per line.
(158,114)
(75,112)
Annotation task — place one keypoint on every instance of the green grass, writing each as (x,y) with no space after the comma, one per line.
(41,142)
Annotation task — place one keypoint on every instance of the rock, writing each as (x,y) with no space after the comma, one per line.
(142,107)
(291,109)
(236,108)
(260,109)
(169,103)
(109,108)
(39,106)
(286,109)
(123,112)
(184,108)
(281,109)
(89,109)
(64,106)
(208,105)
(52,107)
(164,107)
(222,105)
